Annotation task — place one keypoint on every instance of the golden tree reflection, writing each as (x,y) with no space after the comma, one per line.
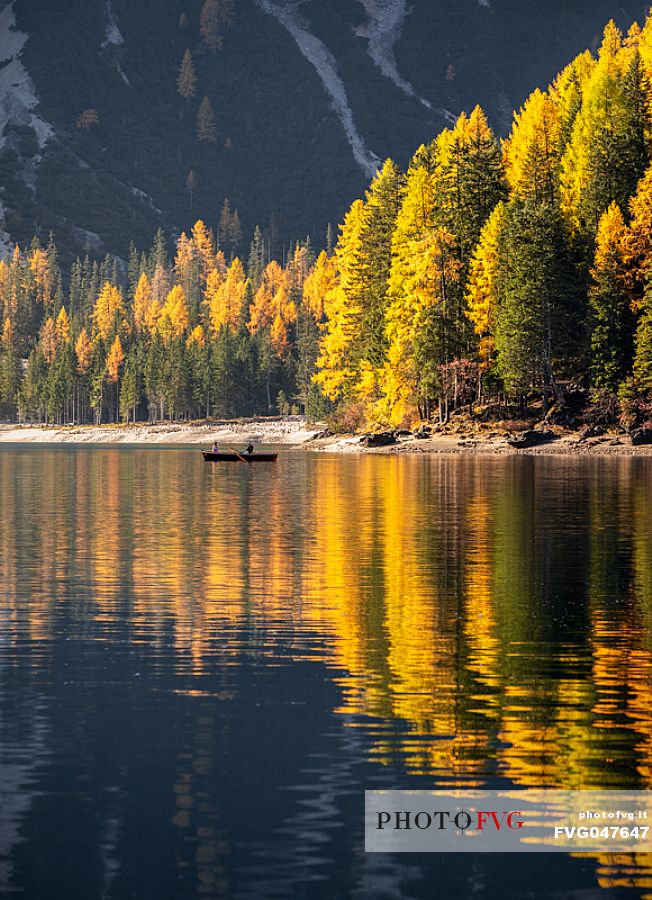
(482,618)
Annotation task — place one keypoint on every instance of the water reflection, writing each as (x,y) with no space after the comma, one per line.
(213,661)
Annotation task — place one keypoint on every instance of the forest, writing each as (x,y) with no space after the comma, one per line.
(490,273)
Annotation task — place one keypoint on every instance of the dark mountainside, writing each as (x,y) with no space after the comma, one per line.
(389,73)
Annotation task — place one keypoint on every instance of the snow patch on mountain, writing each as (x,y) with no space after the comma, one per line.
(11,41)
(122,75)
(112,33)
(17,101)
(382,30)
(17,93)
(324,63)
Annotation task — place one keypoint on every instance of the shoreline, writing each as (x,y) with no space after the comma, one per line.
(294,431)
(290,430)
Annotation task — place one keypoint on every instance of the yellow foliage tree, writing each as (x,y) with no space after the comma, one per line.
(418,326)
(114,360)
(483,273)
(262,310)
(638,239)
(598,166)
(196,337)
(204,249)
(7,339)
(342,304)
(39,265)
(62,326)
(83,352)
(531,153)
(108,311)
(224,296)
(142,302)
(174,319)
(319,283)
(273,310)
(567,92)
(185,257)
(5,291)
(48,340)
(415,222)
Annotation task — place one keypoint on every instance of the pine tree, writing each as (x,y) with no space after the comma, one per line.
(537,313)
(613,322)
(199,370)
(643,346)
(187,79)
(176,387)
(31,396)
(468,180)
(58,385)
(133,269)
(381,210)
(257,258)
(130,387)
(206,129)
(155,378)
(421,328)
(9,370)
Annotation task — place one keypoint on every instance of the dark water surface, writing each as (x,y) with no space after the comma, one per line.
(202,667)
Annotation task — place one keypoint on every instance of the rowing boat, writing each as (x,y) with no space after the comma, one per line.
(209,456)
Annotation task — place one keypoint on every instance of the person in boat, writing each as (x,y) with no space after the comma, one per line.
(250,449)
(215,448)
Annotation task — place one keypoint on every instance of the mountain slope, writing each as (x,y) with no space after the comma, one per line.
(307,97)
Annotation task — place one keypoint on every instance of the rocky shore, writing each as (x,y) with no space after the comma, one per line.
(540,441)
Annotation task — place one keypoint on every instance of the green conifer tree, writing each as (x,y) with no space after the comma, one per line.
(613,322)
(537,315)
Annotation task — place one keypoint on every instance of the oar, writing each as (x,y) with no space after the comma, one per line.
(239,455)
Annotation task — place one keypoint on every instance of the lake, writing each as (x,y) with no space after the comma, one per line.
(202,667)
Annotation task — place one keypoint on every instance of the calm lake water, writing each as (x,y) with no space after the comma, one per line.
(202,667)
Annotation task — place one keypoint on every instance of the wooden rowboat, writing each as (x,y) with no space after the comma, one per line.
(209,456)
